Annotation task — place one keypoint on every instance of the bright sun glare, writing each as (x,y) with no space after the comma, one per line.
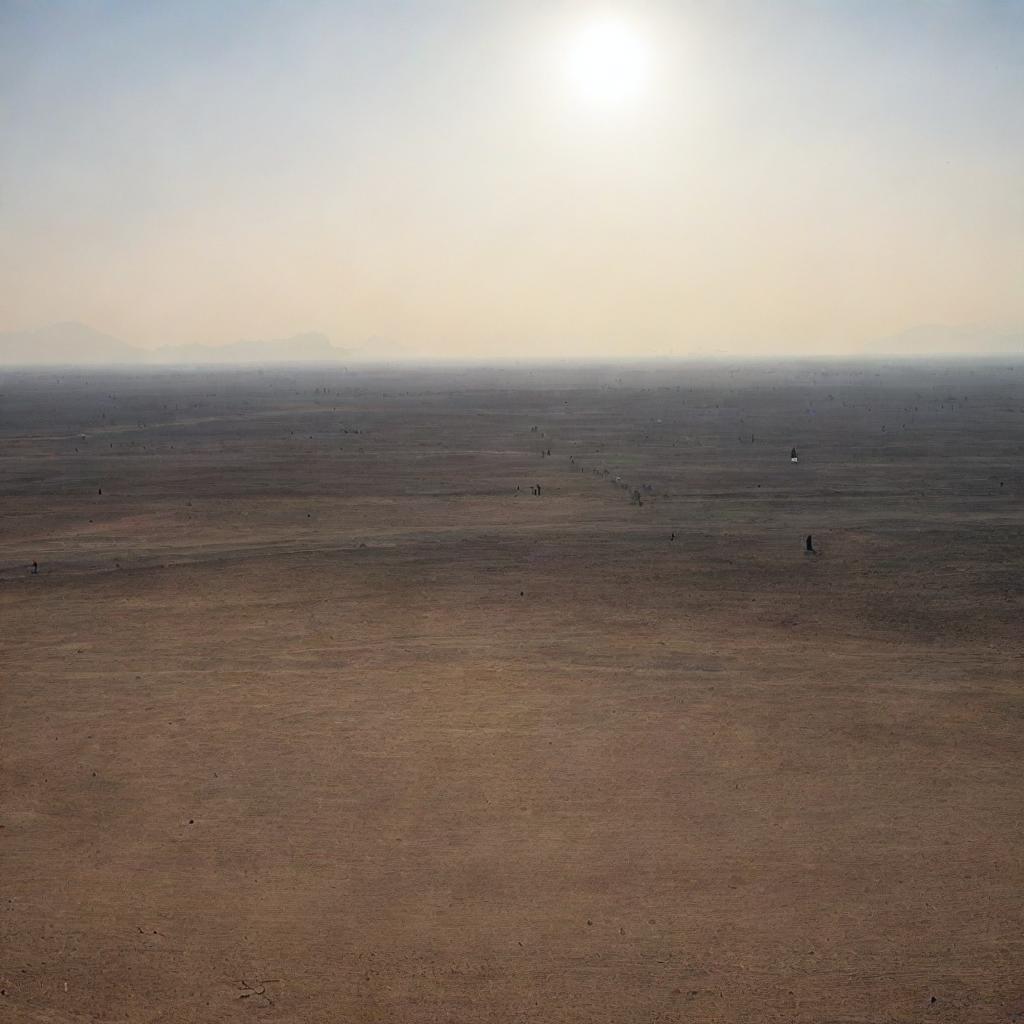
(608,62)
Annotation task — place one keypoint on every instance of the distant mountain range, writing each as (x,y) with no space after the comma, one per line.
(67,343)
(300,348)
(78,344)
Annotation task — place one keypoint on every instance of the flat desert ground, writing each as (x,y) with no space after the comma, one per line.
(315,712)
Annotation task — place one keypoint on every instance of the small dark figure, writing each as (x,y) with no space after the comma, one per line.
(672,538)
(538,490)
(792,454)
(810,546)
(35,568)
(100,491)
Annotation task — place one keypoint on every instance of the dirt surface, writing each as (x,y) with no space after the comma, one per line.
(317,713)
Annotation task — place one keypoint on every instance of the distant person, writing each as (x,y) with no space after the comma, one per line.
(793,455)
(810,546)
(35,568)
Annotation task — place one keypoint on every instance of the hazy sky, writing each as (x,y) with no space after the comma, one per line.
(789,177)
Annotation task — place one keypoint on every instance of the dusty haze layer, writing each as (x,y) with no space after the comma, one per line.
(794,179)
(317,712)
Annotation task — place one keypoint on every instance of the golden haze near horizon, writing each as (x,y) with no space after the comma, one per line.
(514,180)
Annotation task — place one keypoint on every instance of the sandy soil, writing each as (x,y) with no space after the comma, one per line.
(311,715)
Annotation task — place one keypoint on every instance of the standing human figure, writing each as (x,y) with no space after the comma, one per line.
(810,546)
(35,568)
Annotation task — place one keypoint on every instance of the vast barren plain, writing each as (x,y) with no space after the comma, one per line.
(315,712)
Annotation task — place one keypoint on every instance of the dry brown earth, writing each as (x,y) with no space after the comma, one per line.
(312,716)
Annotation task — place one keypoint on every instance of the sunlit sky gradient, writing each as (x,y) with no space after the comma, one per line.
(795,177)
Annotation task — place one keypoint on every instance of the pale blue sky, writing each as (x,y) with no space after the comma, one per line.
(798,176)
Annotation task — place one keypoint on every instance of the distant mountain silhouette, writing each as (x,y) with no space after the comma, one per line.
(75,344)
(65,344)
(300,348)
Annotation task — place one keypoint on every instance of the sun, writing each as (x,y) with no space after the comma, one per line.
(608,62)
